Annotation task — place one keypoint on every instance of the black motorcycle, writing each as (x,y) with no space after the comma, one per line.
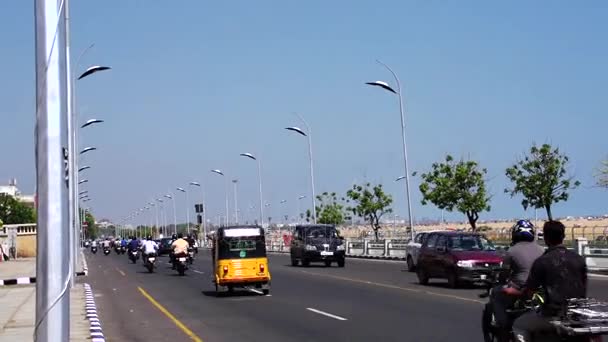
(149,262)
(133,256)
(123,249)
(106,250)
(191,253)
(94,249)
(180,263)
(584,320)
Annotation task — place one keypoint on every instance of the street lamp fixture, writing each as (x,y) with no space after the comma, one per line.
(88,149)
(83,168)
(93,69)
(219,172)
(83,181)
(91,122)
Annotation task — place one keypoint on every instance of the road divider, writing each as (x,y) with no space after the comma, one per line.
(326,314)
(169,315)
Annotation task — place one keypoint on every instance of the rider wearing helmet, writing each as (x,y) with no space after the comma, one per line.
(179,247)
(516,264)
(149,248)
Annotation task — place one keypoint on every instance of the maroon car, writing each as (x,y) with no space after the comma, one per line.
(458,257)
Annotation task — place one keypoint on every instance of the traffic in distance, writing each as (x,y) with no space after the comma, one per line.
(528,293)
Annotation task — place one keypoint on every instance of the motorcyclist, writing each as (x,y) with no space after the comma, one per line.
(133,244)
(123,242)
(149,247)
(561,274)
(173,238)
(106,243)
(516,264)
(179,247)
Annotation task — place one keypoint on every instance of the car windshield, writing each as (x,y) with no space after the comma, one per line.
(322,232)
(470,243)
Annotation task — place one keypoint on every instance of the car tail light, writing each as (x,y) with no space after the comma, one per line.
(261,268)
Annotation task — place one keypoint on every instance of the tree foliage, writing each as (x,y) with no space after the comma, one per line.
(12,211)
(371,203)
(92,231)
(602,175)
(452,185)
(330,209)
(541,177)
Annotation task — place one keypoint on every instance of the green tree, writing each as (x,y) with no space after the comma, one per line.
(602,175)
(92,229)
(13,211)
(541,178)
(456,185)
(330,210)
(371,203)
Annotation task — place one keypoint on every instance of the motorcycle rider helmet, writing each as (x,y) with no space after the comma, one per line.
(149,237)
(523,230)
(174,237)
(180,236)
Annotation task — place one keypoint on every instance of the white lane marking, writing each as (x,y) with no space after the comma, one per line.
(256,291)
(327,314)
(199,272)
(595,275)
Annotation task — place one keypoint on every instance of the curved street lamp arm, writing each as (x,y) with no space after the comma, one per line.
(392,72)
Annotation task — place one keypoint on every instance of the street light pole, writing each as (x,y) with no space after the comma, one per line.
(236,207)
(187,207)
(384,85)
(219,172)
(312,173)
(53,266)
(169,196)
(204,219)
(299,213)
(251,156)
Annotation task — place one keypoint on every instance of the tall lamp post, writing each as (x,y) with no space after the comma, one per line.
(252,157)
(219,172)
(299,213)
(387,87)
(169,196)
(204,218)
(236,206)
(187,207)
(312,175)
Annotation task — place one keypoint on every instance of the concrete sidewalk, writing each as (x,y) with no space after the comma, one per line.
(18,305)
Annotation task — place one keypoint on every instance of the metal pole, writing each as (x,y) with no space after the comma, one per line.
(261,197)
(407,174)
(188,211)
(174,217)
(312,173)
(226,195)
(236,214)
(73,192)
(53,267)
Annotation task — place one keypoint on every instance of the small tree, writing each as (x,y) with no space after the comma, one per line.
(456,185)
(12,211)
(371,203)
(602,175)
(92,229)
(541,178)
(330,210)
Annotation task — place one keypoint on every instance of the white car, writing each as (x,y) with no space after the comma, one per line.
(412,249)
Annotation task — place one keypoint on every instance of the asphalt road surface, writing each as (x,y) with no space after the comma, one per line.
(367,300)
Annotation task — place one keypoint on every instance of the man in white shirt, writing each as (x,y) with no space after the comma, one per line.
(148,247)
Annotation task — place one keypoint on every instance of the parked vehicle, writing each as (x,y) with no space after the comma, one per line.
(317,243)
(458,257)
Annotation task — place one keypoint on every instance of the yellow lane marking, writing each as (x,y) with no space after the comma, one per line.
(394,287)
(121,272)
(170,316)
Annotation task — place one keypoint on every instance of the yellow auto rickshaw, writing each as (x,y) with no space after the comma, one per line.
(239,259)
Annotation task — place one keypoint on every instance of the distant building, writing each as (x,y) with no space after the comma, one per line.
(12,190)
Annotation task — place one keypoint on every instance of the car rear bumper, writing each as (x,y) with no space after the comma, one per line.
(316,256)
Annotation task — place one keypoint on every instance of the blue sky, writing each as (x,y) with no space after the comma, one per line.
(195,83)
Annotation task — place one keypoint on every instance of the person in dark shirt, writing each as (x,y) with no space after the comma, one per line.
(561,274)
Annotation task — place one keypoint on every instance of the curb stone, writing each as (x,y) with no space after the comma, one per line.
(91,309)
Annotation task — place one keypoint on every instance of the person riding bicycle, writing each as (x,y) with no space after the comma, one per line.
(561,274)
(516,264)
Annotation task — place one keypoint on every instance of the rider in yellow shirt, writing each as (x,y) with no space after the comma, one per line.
(180,247)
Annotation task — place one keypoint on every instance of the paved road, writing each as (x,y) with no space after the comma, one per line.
(365,300)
